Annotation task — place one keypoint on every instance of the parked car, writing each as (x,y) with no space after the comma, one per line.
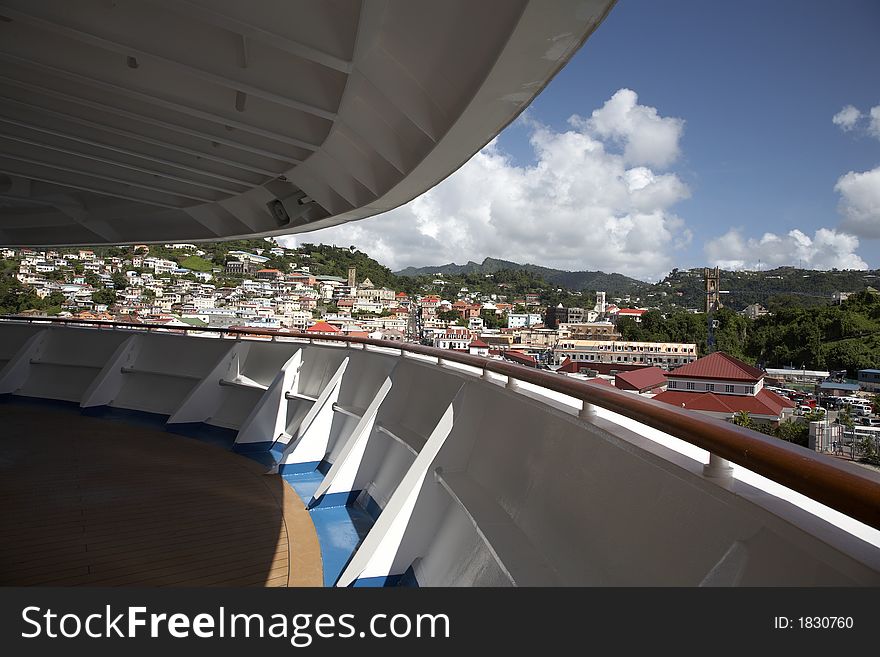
(868,421)
(862,410)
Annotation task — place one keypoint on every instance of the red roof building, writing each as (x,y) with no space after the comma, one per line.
(634,313)
(718,365)
(478,348)
(721,385)
(765,404)
(322,327)
(520,358)
(641,380)
(570,366)
(301,277)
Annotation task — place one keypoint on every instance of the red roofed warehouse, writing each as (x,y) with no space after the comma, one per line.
(641,380)
(721,386)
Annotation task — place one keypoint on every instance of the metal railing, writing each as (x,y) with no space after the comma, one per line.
(847,488)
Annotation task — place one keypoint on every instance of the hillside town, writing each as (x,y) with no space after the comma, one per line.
(274,289)
(244,292)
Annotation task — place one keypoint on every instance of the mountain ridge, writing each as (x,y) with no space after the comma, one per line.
(573,280)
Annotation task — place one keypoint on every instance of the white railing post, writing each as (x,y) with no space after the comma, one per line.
(512,383)
(718,468)
(587,412)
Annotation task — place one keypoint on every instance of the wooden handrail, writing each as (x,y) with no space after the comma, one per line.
(845,487)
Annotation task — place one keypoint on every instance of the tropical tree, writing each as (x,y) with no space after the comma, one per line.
(793,431)
(743,419)
(844,417)
(92,279)
(104,296)
(451,316)
(119,280)
(869,449)
(492,320)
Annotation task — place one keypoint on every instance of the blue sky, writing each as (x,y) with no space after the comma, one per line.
(747,90)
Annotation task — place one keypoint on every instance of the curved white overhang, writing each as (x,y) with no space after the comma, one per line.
(198,120)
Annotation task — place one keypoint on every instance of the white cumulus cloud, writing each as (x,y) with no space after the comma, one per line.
(874,125)
(647,137)
(850,117)
(827,249)
(597,197)
(847,118)
(860,202)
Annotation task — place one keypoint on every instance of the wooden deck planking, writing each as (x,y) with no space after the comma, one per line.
(86,501)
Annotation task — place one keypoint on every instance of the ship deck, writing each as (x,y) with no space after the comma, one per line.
(92,501)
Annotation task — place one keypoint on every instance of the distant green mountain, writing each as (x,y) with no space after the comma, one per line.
(614,284)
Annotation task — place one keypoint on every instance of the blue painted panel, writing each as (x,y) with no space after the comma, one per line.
(298,468)
(277,450)
(340,531)
(304,483)
(340,528)
(376,582)
(370,506)
(408,579)
(405,580)
(334,499)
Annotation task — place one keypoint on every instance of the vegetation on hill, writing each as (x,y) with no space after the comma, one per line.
(616,285)
(844,337)
(829,338)
(776,289)
(325,260)
(196,263)
(682,326)
(15,298)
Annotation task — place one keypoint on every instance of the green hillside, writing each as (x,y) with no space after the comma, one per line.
(776,289)
(613,284)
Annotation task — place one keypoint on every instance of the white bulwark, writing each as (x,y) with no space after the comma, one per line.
(467,479)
